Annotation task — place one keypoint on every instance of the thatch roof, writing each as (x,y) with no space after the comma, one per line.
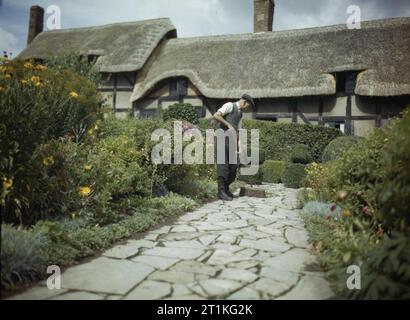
(122,47)
(288,63)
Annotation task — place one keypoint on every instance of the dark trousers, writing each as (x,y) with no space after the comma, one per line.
(226,172)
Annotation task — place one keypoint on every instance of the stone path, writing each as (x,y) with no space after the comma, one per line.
(249,248)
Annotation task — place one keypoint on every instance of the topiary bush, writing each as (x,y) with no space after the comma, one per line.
(181,111)
(293,174)
(252,179)
(20,256)
(337,146)
(276,139)
(300,154)
(272,171)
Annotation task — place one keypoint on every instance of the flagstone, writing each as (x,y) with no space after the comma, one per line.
(105,275)
(149,290)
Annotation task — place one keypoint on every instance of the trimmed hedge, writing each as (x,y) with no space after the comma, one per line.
(338,146)
(276,139)
(181,111)
(272,171)
(253,179)
(300,154)
(293,174)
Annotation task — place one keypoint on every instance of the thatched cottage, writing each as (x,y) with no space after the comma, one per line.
(354,79)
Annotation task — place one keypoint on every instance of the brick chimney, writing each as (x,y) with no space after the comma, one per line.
(263,15)
(36,23)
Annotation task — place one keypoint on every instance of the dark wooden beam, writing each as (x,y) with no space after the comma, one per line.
(114,95)
(348,121)
(320,120)
(378,115)
(132,83)
(293,105)
(119,89)
(302,116)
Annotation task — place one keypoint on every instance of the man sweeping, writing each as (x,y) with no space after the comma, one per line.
(229,116)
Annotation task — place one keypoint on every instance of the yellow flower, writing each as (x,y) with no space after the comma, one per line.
(72,216)
(84,191)
(38,84)
(88,167)
(7,183)
(386,140)
(74,95)
(7,76)
(35,79)
(28,65)
(40,67)
(23,81)
(48,161)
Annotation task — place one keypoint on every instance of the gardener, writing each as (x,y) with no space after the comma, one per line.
(228,117)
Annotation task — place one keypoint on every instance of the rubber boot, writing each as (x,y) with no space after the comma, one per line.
(228,192)
(222,192)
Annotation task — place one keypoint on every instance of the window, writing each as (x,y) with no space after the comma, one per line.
(336,124)
(346,81)
(266,117)
(178,87)
(200,111)
(148,113)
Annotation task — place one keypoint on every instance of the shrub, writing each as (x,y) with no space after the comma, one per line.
(257,178)
(277,139)
(20,259)
(114,127)
(392,187)
(305,195)
(375,176)
(38,104)
(272,171)
(293,174)
(181,111)
(387,270)
(337,146)
(317,177)
(338,245)
(300,154)
(75,62)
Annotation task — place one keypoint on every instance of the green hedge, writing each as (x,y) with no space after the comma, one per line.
(293,174)
(276,139)
(300,154)
(252,179)
(272,171)
(181,111)
(338,146)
